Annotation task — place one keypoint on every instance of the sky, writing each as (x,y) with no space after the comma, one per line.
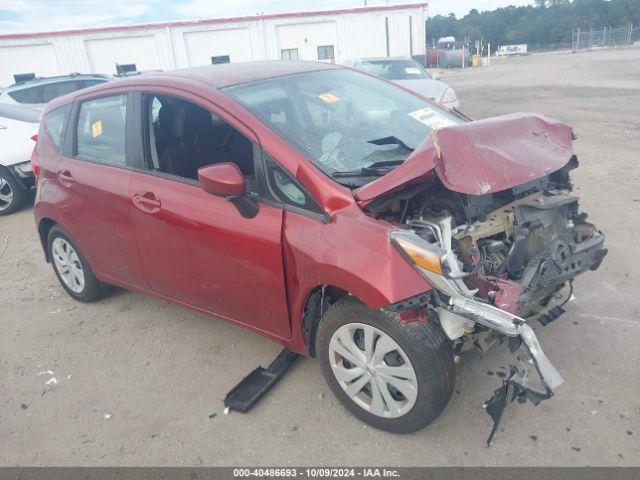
(18,16)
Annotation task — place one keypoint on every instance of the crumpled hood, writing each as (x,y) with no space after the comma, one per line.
(482,156)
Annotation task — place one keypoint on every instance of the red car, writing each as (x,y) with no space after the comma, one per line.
(334,212)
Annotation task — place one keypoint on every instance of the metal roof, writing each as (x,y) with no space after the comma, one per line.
(207,21)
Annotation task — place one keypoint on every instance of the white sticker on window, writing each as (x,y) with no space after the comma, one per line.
(431,118)
(412,71)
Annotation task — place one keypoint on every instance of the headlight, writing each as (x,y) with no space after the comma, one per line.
(449,96)
(419,252)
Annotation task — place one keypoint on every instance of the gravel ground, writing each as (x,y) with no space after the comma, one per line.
(141,381)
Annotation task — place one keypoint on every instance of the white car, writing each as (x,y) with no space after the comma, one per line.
(409,74)
(18,127)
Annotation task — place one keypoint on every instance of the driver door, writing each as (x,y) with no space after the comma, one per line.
(196,248)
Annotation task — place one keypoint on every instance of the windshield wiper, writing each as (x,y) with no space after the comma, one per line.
(374,170)
(390,140)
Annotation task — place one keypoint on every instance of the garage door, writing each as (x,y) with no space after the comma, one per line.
(307,41)
(38,59)
(202,46)
(105,53)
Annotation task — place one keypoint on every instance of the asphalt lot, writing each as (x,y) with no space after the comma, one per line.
(141,381)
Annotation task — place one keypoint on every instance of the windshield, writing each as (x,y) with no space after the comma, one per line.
(394,69)
(345,122)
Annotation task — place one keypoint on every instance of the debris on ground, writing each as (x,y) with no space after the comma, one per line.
(51,381)
(107,416)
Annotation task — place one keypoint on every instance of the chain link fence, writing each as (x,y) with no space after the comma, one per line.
(605,38)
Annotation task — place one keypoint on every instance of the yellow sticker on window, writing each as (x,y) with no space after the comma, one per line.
(329,97)
(96,129)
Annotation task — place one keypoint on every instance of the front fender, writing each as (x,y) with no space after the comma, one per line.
(351,252)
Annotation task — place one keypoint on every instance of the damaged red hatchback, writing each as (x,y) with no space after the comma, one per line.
(336,213)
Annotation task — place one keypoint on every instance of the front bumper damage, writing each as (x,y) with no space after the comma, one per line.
(520,385)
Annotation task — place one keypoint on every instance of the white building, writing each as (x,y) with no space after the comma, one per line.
(336,35)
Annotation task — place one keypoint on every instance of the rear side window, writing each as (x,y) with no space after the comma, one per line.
(101,130)
(27,95)
(55,123)
(55,90)
(89,83)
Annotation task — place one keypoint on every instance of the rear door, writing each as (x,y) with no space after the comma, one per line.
(94,177)
(197,248)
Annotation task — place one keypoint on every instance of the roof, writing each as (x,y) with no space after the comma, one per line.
(228,74)
(207,21)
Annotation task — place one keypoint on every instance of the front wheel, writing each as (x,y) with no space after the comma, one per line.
(393,376)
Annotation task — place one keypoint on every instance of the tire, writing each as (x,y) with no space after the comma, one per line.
(423,348)
(12,194)
(69,264)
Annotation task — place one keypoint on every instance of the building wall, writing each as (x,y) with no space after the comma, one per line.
(353,33)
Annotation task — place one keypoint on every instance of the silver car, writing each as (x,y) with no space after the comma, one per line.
(36,92)
(409,74)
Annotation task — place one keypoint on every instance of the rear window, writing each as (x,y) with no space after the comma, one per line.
(27,95)
(55,123)
(101,129)
(394,69)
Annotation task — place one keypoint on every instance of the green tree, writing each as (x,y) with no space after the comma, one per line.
(546,23)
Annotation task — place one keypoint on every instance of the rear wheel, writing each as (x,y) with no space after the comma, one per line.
(12,195)
(392,376)
(72,269)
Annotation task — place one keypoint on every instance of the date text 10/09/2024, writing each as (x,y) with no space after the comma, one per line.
(317,472)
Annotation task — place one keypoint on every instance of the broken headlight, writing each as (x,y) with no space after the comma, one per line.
(419,252)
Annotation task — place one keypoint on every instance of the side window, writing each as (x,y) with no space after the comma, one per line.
(55,123)
(220,59)
(101,130)
(27,95)
(90,83)
(325,52)
(289,54)
(286,190)
(184,137)
(55,90)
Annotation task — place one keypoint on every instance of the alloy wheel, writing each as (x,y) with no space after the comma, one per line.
(68,264)
(6,194)
(373,370)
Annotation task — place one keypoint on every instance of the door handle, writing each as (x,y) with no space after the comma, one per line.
(66,178)
(147,202)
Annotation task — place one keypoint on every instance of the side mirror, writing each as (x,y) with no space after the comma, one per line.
(226,180)
(222,179)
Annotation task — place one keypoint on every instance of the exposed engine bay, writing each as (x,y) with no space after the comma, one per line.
(514,248)
(495,260)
